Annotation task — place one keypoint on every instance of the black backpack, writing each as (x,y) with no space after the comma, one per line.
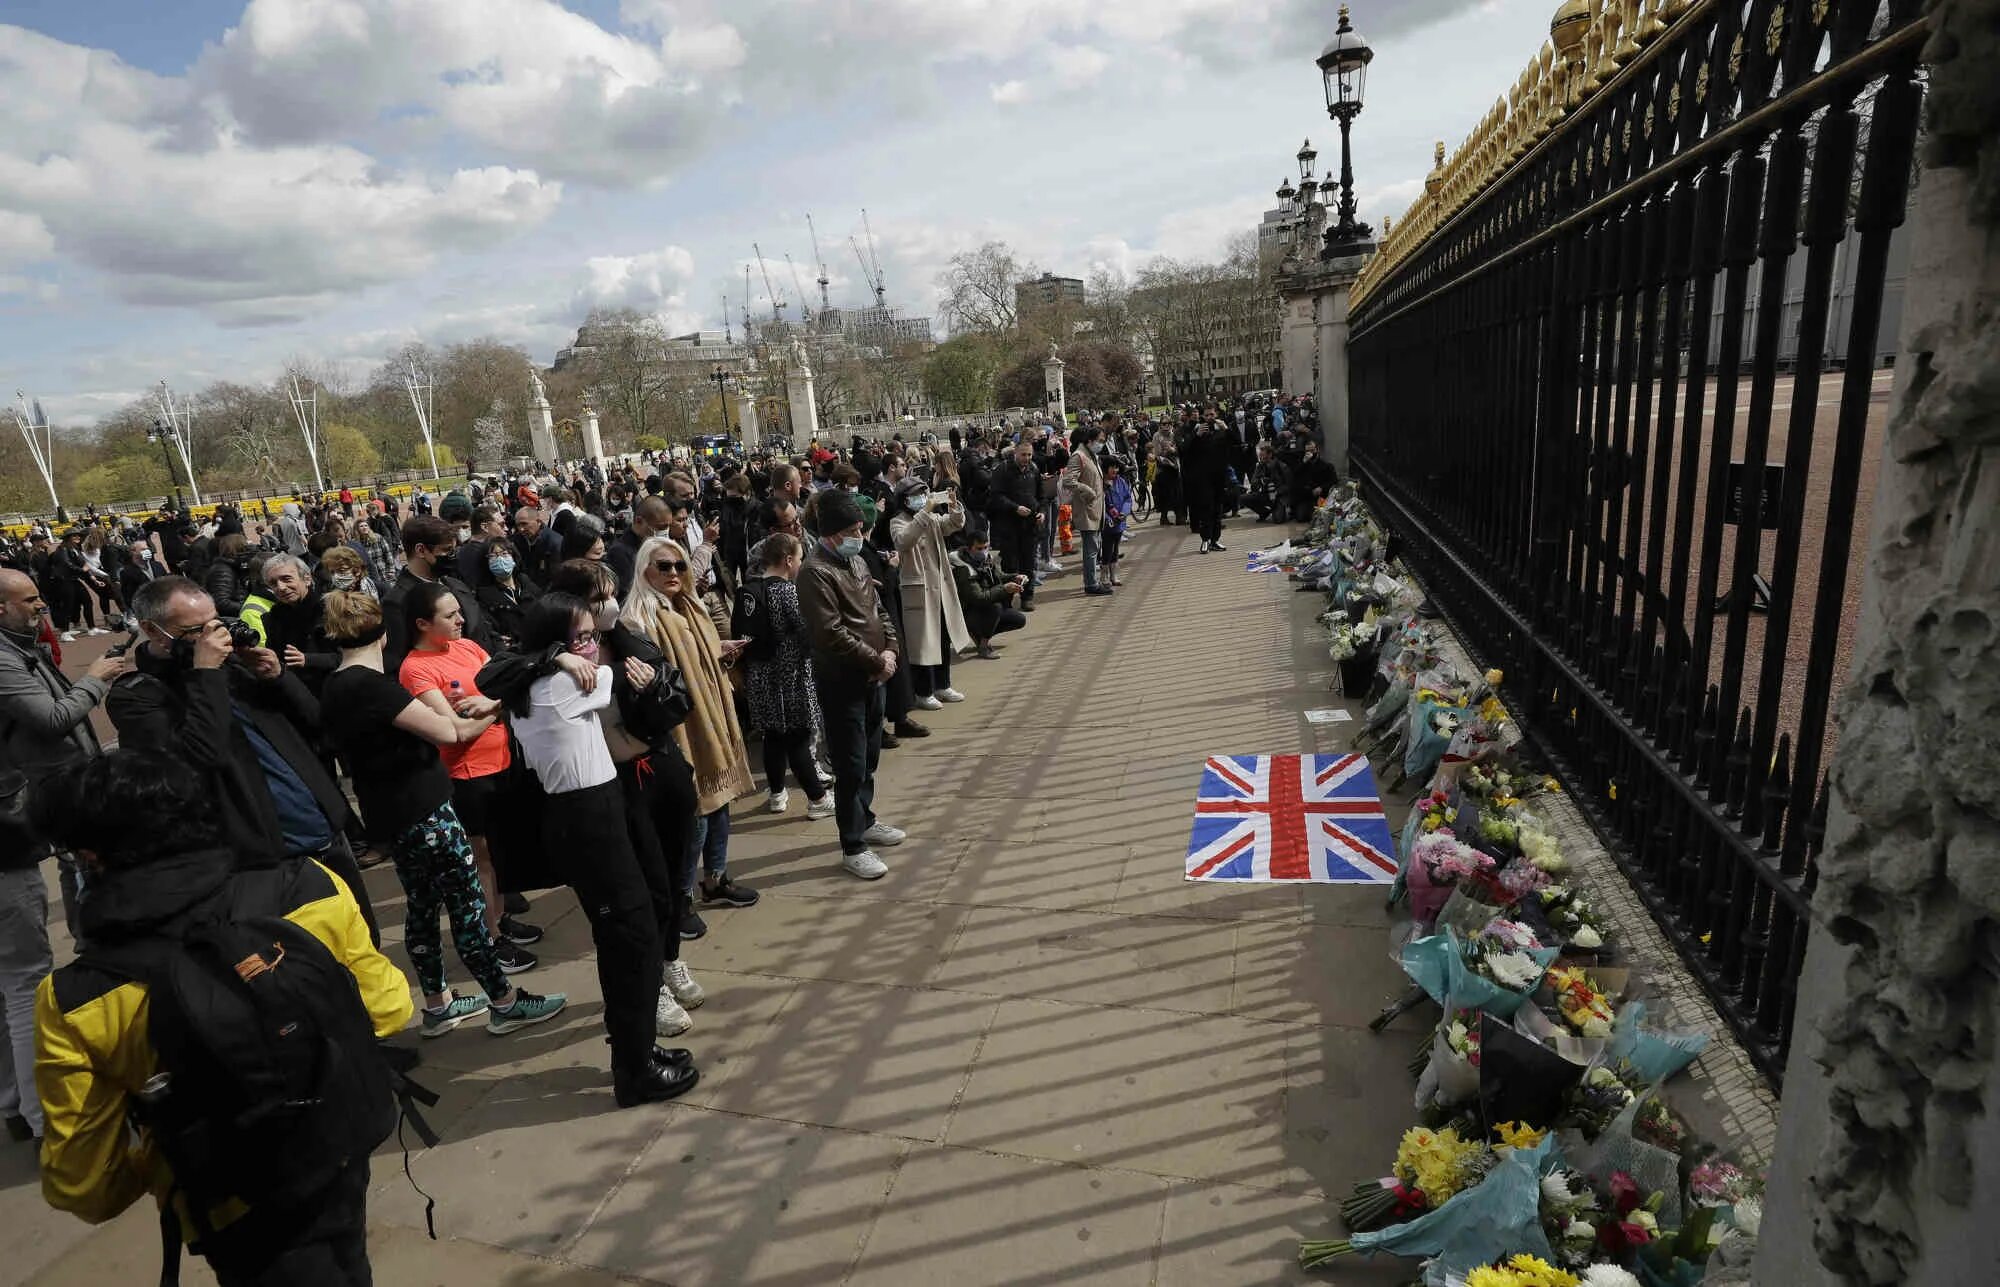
(270,1080)
(751,618)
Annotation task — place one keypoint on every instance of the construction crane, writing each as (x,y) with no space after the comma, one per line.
(805,309)
(820,260)
(777,305)
(880,286)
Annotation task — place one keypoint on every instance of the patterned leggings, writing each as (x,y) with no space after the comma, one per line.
(434,862)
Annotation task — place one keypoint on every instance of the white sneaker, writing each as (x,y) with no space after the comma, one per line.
(865,865)
(929,704)
(820,808)
(778,802)
(69,636)
(99,630)
(669,1018)
(1050,567)
(950,695)
(683,987)
(883,834)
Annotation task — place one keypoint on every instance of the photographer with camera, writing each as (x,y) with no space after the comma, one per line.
(931,614)
(206,693)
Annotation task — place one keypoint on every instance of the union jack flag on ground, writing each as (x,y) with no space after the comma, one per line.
(1290,817)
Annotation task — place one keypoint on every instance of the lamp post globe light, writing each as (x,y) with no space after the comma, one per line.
(1343,67)
(1306,158)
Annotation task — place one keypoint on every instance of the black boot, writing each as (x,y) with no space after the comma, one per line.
(653,1084)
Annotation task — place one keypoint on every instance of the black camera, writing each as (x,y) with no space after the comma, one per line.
(242,634)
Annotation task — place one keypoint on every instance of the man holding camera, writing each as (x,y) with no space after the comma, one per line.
(205,693)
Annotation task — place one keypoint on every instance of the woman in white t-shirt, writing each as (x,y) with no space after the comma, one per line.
(583,822)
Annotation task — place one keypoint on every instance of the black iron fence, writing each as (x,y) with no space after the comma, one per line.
(1588,395)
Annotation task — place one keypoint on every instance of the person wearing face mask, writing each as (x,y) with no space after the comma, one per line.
(244,720)
(855,648)
(505,592)
(140,567)
(935,625)
(430,551)
(986,596)
(487,526)
(1086,492)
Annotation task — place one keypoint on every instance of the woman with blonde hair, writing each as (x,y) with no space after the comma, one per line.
(665,608)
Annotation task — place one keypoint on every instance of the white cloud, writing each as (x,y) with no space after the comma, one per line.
(1076,66)
(24,238)
(127,178)
(655,282)
(1008,93)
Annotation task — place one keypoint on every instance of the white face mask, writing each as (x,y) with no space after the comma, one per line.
(606,614)
(344,580)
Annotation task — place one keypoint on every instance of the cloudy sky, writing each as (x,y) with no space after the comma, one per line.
(204,189)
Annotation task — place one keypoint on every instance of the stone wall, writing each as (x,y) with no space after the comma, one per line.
(1888,1167)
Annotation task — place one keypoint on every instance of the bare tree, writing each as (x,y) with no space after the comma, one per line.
(979,286)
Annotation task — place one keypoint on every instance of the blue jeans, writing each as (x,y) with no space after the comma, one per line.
(1046,537)
(852,711)
(25,959)
(1090,540)
(711,842)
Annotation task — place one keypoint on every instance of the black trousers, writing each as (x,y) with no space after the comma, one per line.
(852,712)
(322,1244)
(588,829)
(659,812)
(794,747)
(1014,536)
(1205,513)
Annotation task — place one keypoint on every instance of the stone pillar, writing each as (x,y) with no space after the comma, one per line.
(541,428)
(746,418)
(799,398)
(1052,382)
(1314,337)
(1888,1160)
(593,441)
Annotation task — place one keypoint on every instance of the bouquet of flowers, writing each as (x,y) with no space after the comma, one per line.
(1521,1270)
(1345,640)
(1633,1220)
(1660,1126)
(1430,1167)
(1504,952)
(1651,1055)
(1502,833)
(1579,1001)
(1447,862)
(1496,1216)
(1540,847)
(1596,1101)
(1569,914)
(1719,1183)
(1450,1071)
(1569,1215)
(1439,865)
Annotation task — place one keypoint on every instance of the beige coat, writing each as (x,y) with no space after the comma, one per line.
(1086,492)
(928,588)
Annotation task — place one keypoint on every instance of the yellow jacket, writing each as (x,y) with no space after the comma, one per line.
(90,1027)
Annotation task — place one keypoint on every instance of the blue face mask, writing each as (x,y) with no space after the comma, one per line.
(849,546)
(917,502)
(501,567)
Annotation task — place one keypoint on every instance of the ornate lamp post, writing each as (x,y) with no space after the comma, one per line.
(1306,158)
(1343,65)
(721,378)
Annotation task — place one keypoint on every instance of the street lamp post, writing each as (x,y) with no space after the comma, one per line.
(721,378)
(157,432)
(1343,66)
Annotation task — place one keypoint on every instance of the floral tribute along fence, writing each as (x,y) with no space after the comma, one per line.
(1587,491)
(1544,1154)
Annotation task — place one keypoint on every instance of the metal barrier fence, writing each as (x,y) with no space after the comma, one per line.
(1537,414)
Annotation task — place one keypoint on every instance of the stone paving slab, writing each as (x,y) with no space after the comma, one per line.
(1032,1054)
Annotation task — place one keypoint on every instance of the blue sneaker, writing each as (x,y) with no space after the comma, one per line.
(527,1009)
(439,1022)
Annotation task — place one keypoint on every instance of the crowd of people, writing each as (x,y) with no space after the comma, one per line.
(536,679)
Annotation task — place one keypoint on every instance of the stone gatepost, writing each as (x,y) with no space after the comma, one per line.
(593,439)
(746,417)
(1313,341)
(541,423)
(1888,1162)
(799,395)
(1052,382)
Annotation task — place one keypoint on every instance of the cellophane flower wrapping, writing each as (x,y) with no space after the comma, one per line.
(1520,1079)
(1437,964)
(1653,1054)
(1653,1169)
(1498,1217)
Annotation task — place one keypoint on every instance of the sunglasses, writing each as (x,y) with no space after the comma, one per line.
(670,565)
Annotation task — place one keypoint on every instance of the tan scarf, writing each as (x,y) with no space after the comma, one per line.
(709,736)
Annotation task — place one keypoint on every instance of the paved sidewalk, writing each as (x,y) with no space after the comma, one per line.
(1032,1054)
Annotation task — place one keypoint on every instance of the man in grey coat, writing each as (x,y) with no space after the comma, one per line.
(44,728)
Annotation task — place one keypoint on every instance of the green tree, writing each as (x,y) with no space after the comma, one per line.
(128,477)
(958,375)
(349,455)
(447,459)
(650,442)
